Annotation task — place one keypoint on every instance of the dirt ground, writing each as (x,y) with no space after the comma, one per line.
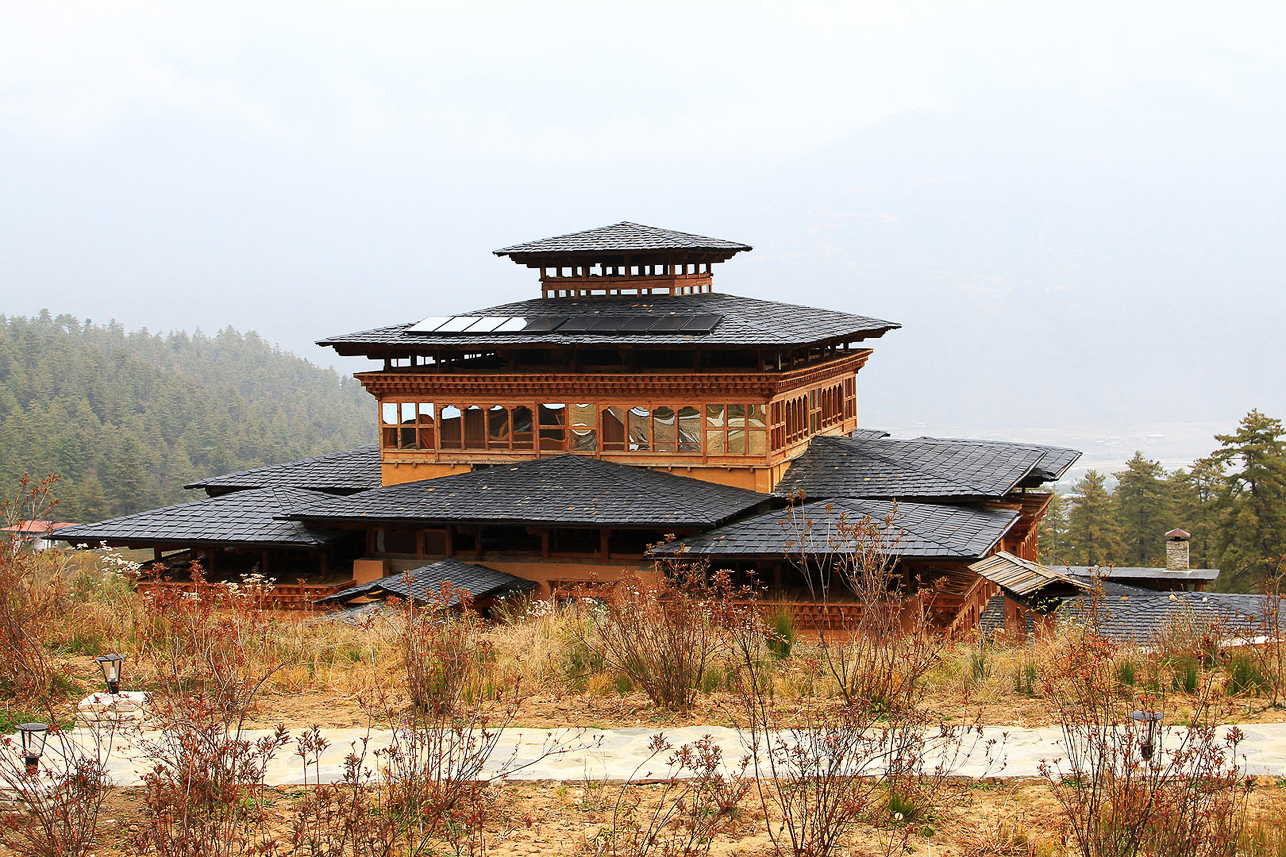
(549,818)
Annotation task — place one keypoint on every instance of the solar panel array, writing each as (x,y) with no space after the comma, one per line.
(579,325)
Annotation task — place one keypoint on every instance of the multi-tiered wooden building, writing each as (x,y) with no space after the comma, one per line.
(555,439)
(629,355)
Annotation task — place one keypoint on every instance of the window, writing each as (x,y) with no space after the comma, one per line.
(716,430)
(553,428)
(523,432)
(584,428)
(665,430)
(451,429)
(498,434)
(689,429)
(613,429)
(640,420)
(406,425)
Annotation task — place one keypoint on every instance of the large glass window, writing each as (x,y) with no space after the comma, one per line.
(689,429)
(475,430)
(406,425)
(584,428)
(665,430)
(640,420)
(553,428)
(450,430)
(498,428)
(613,429)
(523,431)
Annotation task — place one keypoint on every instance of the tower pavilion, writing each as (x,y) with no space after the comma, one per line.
(629,355)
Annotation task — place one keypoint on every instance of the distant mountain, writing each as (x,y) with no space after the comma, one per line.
(127,418)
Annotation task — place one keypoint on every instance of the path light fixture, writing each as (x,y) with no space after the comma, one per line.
(111,667)
(1148,746)
(33,744)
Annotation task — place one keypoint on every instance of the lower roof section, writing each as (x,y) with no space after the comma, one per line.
(1140,618)
(567,491)
(1196,575)
(909,530)
(869,464)
(344,472)
(427,582)
(243,518)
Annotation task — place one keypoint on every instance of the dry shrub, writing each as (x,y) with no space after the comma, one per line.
(1188,798)
(877,759)
(62,800)
(697,803)
(446,719)
(880,644)
(204,789)
(33,598)
(663,636)
(344,819)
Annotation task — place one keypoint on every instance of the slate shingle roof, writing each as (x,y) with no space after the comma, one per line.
(1137,618)
(1139,573)
(337,473)
(745,322)
(920,530)
(882,467)
(250,517)
(567,490)
(623,237)
(1052,466)
(479,581)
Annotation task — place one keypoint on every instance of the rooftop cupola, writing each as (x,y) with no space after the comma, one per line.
(624,259)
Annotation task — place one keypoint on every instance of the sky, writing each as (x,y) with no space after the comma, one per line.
(1075,211)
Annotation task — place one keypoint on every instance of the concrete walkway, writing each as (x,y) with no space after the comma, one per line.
(622,754)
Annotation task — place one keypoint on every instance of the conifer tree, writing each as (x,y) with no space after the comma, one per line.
(1143,509)
(1093,532)
(1252,501)
(1053,531)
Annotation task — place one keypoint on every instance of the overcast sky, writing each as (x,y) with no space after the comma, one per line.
(1076,212)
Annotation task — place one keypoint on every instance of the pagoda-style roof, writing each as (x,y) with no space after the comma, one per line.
(926,468)
(421,584)
(740,322)
(344,472)
(624,238)
(567,490)
(919,530)
(244,519)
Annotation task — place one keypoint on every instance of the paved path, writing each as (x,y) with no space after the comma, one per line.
(620,754)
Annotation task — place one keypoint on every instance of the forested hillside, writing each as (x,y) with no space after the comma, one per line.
(1233,502)
(126,418)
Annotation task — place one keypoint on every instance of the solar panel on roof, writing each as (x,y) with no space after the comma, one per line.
(548,324)
(607,324)
(577,324)
(457,324)
(669,324)
(486,324)
(429,324)
(704,323)
(639,324)
(512,325)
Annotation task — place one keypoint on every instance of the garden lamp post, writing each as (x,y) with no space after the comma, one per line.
(1148,746)
(111,667)
(33,744)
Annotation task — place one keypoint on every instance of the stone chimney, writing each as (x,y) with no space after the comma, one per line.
(1176,550)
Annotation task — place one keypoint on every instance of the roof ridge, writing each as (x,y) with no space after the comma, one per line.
(933,472)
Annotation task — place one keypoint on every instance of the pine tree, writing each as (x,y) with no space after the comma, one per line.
(1093,532)
(1143,509)
(1252,501)
(1053,531)
(1193,494)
